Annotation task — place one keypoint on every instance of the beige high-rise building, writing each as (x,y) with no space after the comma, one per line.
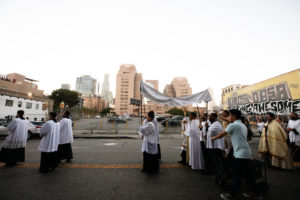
(150,105)
(179,87)
(127,87)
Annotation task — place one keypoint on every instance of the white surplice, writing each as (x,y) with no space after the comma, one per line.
(17,138)
(213,130)
(149,144)
(66,132)
(293,124)
(50,136)
(196,156)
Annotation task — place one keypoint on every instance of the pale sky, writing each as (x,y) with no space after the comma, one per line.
(212,43)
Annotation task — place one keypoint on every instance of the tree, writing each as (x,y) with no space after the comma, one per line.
(176,111)
(105,111)
(69,97)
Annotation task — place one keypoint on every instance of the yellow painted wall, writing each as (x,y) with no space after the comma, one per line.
(291,78)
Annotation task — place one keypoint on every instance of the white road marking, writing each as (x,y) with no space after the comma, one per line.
(110,144)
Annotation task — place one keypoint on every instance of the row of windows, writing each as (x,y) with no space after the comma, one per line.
(10,103)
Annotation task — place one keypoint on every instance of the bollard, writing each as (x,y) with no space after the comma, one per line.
(113,125)
(126,125)
(101,124)
(167,124)
(74,125)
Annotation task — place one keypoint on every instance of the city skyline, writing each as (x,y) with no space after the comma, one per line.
(213,44)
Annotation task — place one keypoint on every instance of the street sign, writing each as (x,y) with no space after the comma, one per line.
(136,102)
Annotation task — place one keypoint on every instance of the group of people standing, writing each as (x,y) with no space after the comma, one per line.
(205,141)
(55,145)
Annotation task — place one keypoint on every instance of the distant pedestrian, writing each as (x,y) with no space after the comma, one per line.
(65,138)
(149,145)
(260,125)
(49,144)
(13,148)
(282,123)
(249,130)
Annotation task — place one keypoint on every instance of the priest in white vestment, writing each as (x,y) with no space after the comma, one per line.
(49,144)
(214,149)
(149,145)
(13,148)
(196,157)
(65,138)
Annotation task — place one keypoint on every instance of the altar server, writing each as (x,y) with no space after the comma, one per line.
(13,148)
(65,138)
(149,145)
(49,144)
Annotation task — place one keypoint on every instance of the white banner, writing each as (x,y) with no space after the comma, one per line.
(157,97)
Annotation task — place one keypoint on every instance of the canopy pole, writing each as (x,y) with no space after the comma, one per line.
(207,110)
(141,105)
(198,112)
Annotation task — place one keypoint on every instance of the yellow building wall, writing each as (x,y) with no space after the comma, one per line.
(291,81)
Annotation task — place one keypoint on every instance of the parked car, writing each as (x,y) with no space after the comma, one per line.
(97,117)
(34,129)
(116,119)
(3,130)
(175,121)
(160,118)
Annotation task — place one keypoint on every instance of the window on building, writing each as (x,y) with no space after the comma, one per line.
(35,119)
(20,104)
(28,105)
(18,91)
(3,87)
(37,106)
(9,103)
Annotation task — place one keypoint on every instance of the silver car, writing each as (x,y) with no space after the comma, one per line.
(32,129)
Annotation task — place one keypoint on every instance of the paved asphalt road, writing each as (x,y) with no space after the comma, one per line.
(110,169)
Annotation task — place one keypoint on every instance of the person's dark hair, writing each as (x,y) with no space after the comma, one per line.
(235,112)
(226,112)
(271,115)
(214,115)
(151,115)
(67,114)
(53,115)
(193,114)
(21,114)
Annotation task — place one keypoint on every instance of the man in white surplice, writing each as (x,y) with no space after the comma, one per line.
(196,156)
(214,149)
(13,148)
(149,145)
(65,138)
(49,144)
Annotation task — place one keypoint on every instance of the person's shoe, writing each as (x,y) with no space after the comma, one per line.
(181,162)
(227,196)
(250,195)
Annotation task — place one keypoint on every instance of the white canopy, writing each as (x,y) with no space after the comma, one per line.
(157,97)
